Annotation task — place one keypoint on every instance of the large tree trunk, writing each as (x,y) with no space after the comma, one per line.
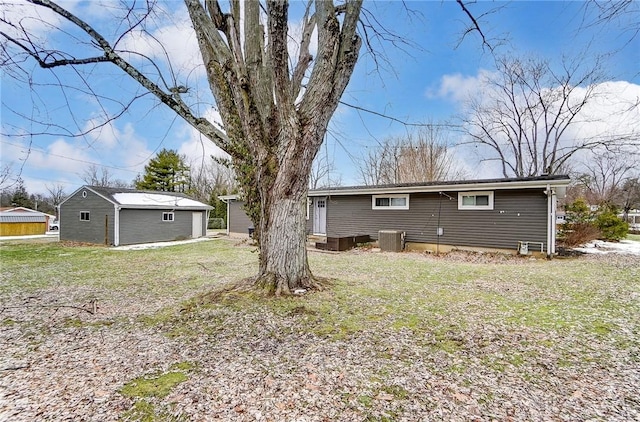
(276,117)
(284,268)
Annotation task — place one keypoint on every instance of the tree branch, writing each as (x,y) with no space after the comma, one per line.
(475,25)
(202,125)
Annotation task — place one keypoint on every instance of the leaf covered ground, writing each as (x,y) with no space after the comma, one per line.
(397,337)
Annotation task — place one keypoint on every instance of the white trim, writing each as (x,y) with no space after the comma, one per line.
(228,216)
(471,185)
(552,204)
(443,187)
(170,216)
(116,225)
(88,216)
(462,206)
(320,225)
(390,207)
(196,217)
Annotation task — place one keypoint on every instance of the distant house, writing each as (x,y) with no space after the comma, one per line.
(238,222)
(493,214)
(21,221)
(118,216)
(633,218)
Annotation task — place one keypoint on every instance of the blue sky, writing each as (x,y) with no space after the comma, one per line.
(425,82)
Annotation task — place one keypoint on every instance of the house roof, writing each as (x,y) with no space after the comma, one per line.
(141,199)
(21,215)
(18,209)
(457,185)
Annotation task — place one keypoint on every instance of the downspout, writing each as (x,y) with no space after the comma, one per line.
(551,221)
(227,222)
(116,225)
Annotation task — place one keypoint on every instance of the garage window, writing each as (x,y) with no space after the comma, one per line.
(167,216)
(84,216)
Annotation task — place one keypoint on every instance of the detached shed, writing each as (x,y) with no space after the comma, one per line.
(119,216)
(22,222)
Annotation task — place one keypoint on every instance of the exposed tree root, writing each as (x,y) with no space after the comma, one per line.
(262,286)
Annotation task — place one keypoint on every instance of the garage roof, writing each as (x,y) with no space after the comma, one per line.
(141,199)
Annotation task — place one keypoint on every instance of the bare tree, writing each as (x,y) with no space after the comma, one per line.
(56,194)
(606,175)
(274,116)
(323,173)
(95,175)
(210,179)
(621,14)
(424,155)
(522,115)
(274,106)
(631,195)
(6,173)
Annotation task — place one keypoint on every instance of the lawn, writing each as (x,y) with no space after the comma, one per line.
(398,336)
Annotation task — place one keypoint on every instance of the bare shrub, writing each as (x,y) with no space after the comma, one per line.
(579,233)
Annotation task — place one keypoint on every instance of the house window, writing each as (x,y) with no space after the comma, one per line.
(84,215)
(167,216)
(475,200)
(390,202)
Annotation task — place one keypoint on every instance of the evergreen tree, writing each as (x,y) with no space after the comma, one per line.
(21,198)
(166,172)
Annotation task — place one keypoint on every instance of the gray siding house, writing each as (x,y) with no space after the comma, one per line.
(490,214)
(238,222)
(118,216)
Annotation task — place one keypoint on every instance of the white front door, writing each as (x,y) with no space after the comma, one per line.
(196,227)
(320,215)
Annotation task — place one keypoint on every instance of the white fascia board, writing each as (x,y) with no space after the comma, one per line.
(472,186)
(116,225)
(166,207)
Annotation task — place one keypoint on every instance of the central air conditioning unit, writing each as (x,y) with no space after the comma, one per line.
(391,240)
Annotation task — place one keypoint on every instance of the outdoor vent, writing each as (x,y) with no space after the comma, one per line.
(390,240)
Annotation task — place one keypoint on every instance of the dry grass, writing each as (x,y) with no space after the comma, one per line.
(397,337)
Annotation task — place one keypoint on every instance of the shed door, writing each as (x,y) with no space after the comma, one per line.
(320,215)
(196,230)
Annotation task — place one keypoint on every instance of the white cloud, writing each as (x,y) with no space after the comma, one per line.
(459,88)
(117,147)
(37,21)
(57,156)
(295,38)
(174,39)
(612,112)
(58,163)
(197,148)
(122,152)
